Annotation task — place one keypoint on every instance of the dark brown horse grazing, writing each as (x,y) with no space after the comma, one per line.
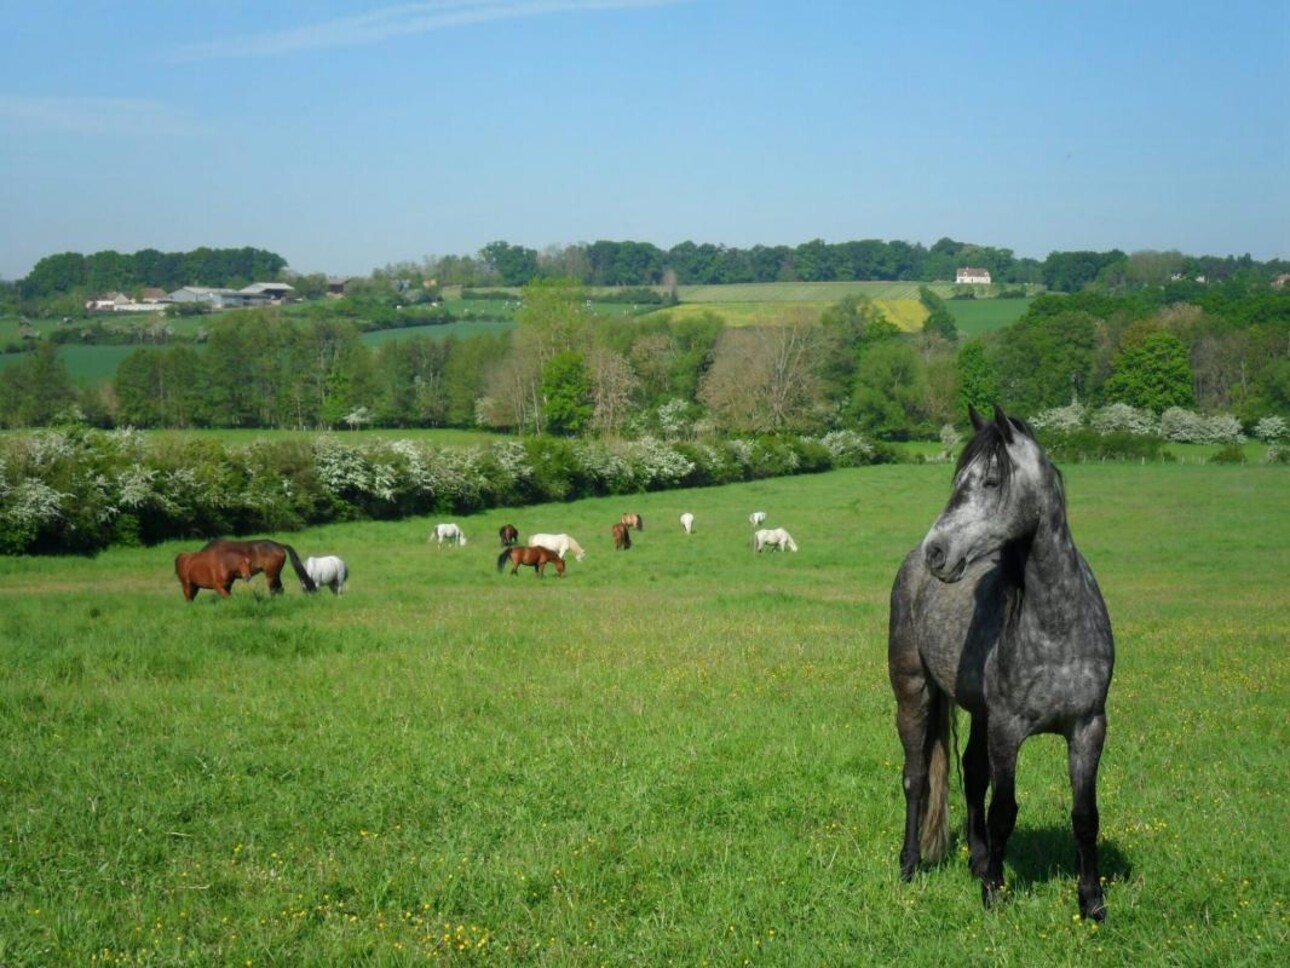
(508,534)
(266,556)
(634,520)
(214,569)
(536,556)
(622,536)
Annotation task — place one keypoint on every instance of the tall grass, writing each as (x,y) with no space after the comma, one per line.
(683,753)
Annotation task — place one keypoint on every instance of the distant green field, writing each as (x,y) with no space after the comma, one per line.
(461,330)
(86,364)
(976,316)
(739,305)
(814,292)
(908,314)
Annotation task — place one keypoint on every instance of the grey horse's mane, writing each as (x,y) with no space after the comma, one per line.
(989,444)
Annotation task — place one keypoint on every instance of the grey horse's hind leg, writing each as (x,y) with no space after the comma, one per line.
(976,781)
(1084,748)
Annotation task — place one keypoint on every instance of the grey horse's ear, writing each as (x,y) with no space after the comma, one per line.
(974,415)
(1003,423)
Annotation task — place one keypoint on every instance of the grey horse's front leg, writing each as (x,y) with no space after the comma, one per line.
(1002,818)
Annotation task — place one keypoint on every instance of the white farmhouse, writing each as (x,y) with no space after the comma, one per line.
(971,276)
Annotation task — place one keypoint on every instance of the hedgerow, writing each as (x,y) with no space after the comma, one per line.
(82,490)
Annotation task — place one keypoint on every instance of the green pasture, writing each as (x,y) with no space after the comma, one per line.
(907,314)
(972,317)
(762,304)
(813,292)
(463,329)
(85,364)
(683,753)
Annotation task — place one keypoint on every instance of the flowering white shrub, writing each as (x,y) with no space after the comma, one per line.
(34,502)
(417,475)
(1187,427)
(48,447)
(1061,419)
(654,463)
(851,449)
(1271,429)
(29,506)
(1123,418)
(135,486)
(741,452)
(611,472)
(674,419)
(342,469)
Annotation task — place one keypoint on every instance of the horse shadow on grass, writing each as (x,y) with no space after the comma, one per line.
(1041,854)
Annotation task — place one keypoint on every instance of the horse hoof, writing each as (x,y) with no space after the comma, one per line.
(908,866)
(992,894)
(1093,908)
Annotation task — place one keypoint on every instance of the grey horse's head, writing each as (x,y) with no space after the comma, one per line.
(1002,484)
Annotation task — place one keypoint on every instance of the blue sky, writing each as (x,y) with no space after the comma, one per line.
(348,136)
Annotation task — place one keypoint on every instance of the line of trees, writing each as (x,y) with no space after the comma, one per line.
(71,273)
(628,263)
(59,283)
(565,370)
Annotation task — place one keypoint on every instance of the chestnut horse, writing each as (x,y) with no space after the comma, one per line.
(538,557)
(266,556)
(622,536)
(215,569)
(508,534)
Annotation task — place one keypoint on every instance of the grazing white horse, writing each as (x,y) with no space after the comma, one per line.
(687,522)
(561,544)
(777,539)
(328,570)
(449,533)
(756,518)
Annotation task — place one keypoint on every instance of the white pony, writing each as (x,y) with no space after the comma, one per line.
(561,544)
(777,539)
(328,570)
(687,522)
(756,518)
(449,533)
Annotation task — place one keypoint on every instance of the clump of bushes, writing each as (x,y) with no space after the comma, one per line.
(81,490)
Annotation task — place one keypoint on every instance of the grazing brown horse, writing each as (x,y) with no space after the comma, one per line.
(634,520)
(508,534)
(622,536)
(214,569)
(536,556)
(266,556)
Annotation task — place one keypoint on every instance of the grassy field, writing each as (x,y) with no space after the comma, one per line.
(812,292)
(774,303)
(460,330)
(740,305)
(972,317)
(679,754)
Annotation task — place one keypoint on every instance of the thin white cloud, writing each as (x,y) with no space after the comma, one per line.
(132,117)
(400,20)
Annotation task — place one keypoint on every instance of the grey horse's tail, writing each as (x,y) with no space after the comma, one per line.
(934,832)
(309,584)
